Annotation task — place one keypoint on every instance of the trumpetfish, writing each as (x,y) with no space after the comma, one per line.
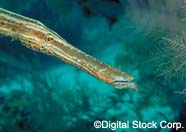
(35,35)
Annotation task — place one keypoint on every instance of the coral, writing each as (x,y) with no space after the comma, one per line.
(173,57)
(14,105)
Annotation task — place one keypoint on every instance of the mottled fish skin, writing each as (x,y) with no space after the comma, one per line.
(36,36)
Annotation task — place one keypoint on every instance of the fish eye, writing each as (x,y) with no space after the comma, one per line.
(49,38)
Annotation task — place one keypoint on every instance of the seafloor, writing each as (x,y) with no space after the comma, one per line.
(146,38)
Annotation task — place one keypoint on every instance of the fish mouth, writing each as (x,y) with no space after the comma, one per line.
(120,84)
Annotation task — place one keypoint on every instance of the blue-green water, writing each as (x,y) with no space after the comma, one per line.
(146,38)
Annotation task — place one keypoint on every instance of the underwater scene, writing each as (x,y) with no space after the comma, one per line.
(92,65)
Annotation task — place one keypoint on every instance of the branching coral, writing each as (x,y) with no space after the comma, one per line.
(172,57)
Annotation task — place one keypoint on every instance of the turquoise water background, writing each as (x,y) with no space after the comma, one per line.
(39,93)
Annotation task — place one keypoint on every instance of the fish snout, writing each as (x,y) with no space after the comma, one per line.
(124,82)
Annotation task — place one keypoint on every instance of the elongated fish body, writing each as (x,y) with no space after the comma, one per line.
(36,36)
